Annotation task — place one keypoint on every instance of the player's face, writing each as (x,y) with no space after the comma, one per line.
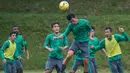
(15,29)
(107,32)
(74,20)
(56,28)
(13,37)
(92,33)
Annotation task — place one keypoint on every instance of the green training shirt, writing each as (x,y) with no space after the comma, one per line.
(19,44)
(55,44)
(80,30)
(119,38)
(94,42)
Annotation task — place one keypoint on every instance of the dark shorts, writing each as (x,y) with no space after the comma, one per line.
(54,63)
(116,66)
(9,68)
(92,65)
(82,46)
(77,63)
(19,64)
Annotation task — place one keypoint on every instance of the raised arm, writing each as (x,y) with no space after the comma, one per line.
(88,26)
(123,37)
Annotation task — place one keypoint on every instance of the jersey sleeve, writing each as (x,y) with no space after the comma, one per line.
(67,31)
(101,45)
(65,41)
(88,25)
(3,48)
(46,43)
(123,37)
(97,41)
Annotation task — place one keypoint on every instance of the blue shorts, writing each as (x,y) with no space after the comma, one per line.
(77,63)
(82,46)
(9,68)
(54,63)
(19,64)
(116,66)
(92,65)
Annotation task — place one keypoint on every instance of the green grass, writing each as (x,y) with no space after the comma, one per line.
(78,71)
(35,16)
(36,27)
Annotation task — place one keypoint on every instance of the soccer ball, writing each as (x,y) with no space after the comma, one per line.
(64,5)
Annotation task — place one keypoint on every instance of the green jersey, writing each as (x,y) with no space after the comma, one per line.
(8,51)
(119,38)
(19,44)
(55,44)
(94,42)
(80,30)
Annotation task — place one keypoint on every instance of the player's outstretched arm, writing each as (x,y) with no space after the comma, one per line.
(100,46)
(105,52)
(67,31)
(27,56)
(123,37)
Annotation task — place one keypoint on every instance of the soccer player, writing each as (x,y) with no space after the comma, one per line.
(80,29)
(92,61)
(20,47)
(55,48)
(79,61)
(8,53)
(111,44)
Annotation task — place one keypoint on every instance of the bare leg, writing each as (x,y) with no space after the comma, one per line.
(85,65)
(67,59)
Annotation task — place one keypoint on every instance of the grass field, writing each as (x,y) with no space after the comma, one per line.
(37,25)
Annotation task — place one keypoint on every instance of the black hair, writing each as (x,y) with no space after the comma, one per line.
(12,33)
(70,16)
(106,28)
(14,26)
(54,24)
(93,28)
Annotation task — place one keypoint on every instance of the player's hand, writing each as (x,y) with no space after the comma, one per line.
(19,58)
(61,48)
(121,29)
(51,49)
(92,47)
(4,61)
